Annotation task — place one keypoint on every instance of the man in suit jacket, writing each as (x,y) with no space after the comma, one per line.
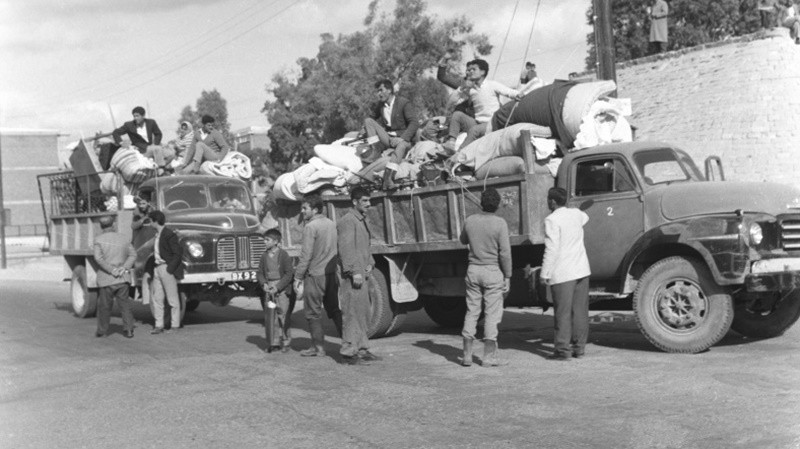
(167,272)
(114,256)
(143,132)
(393,120)
(208,145)
(566,270)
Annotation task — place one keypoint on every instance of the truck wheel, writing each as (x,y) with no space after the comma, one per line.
(680,308)
(191,305)
(84,299)
(383,319)
(446,311)
(757,319)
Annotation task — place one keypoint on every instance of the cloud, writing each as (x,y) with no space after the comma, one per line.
(64,9)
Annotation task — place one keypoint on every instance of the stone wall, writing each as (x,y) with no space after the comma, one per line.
(738,99)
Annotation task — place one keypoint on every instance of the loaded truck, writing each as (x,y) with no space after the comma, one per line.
(693,255)
(214,217)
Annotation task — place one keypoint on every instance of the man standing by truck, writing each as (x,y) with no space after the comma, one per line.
(167,272)
(488,275)
(315,274)
(566,270)
(114,255)
(356,265)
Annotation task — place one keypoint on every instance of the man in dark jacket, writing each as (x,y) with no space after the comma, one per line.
(393,120)
(356,265)
(168,270)
(143,132)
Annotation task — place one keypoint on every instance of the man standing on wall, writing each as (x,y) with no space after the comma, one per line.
(659,28)
(168,271)
(356,265)
(488,275)
(315,274)
(566,270)
(114,255)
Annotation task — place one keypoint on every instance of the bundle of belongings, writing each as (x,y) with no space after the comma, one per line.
(560,117)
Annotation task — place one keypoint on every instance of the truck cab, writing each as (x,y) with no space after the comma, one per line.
(697,256)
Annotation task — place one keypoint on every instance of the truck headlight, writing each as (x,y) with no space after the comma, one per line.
(195,250)
(756,234)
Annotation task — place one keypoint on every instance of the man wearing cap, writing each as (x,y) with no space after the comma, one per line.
(114,256)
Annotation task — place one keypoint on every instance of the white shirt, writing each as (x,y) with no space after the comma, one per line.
(564,253)
(486,99)
(387,111)
(142,131)
(158,258)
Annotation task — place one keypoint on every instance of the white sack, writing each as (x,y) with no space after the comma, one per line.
(503,142)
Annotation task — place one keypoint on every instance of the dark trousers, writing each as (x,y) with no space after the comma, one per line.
(571,316)
(319,292)
(355,317)
(657,47)
(105,301)
(400,146)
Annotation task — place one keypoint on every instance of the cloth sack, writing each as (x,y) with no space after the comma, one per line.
(603,124)
(579,101)
(316,173)
(501,166)
(338,155)
(503,142)
(233,165)
(285,188)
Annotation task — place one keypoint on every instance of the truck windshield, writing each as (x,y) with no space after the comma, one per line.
(665,166)
(229,197)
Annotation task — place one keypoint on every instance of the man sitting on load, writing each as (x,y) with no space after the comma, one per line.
(208,145)
(484,95)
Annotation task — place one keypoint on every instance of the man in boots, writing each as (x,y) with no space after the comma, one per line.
(356,265)
(566,270)
(315,274)
(488,275)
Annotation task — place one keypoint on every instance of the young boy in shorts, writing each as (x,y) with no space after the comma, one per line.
(275,274)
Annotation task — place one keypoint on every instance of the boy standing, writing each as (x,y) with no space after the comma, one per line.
(275,273)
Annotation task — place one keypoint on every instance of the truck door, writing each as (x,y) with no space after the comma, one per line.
(604,188)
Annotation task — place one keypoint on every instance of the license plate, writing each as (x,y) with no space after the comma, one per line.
(243,276)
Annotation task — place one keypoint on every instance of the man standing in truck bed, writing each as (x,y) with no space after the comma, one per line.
(566,270)
(315,274)
(488,275)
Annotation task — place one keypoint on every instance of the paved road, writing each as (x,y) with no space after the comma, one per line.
(211,385)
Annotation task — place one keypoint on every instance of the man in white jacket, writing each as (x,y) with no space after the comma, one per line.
(566,270)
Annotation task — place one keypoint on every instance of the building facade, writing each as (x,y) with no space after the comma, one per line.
(251,137)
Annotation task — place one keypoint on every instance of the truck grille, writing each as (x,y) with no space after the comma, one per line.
(240,253)
(790,235)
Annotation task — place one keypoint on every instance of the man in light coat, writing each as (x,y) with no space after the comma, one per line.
(566,270)
(114,256)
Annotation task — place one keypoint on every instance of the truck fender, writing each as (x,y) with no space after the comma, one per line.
(697,237)
(403,272)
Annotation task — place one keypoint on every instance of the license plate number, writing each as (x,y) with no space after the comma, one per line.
(243,276)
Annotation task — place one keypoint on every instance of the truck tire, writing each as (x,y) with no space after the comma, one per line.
(191,305)
(84,299)
(383,318)
(446,311)
(751,322)
(680,308)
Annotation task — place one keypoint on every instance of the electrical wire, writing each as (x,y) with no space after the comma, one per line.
(533,25)
(508,31)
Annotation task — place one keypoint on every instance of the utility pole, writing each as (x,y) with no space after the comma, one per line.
(604,40)
(3,259)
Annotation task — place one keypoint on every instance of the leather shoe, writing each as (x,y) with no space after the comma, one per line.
(355,360)
(99,334)
(312,352)
(369,357)
(558,357)
(578,355)
(129,334)
(285,348)
(158,330)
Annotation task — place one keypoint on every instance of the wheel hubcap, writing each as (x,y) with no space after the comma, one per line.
(682,305)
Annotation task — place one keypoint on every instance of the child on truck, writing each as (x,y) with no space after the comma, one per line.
(275,274)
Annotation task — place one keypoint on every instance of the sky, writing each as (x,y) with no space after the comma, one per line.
(79,66)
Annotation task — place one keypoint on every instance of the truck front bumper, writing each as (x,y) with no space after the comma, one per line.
(773,275)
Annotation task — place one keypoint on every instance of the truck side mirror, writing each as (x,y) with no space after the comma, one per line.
(709,164)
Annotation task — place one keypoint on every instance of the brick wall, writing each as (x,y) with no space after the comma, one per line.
(738,99)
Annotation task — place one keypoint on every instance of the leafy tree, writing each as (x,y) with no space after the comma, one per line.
(332,92)
(210,103)
(691,23)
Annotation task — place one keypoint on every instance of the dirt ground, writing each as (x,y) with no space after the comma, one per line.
(211,385)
